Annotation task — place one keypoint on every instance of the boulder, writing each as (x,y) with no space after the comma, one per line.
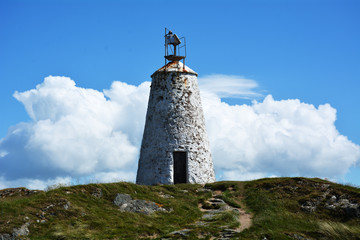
(22,231)
(5,236)
(121,199)
(127,204)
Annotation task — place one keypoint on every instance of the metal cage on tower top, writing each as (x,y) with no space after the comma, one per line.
(175,47)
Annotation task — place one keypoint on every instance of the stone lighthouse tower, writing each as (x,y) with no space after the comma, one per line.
(175,146)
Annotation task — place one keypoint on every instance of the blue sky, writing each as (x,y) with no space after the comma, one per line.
(291,49)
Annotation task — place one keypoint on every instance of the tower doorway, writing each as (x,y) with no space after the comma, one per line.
(180,169)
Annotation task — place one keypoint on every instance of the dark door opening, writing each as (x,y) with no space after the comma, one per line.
(180,162)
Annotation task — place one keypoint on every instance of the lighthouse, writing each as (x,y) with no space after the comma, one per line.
(175,147)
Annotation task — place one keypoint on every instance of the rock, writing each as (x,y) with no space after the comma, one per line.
(41,215)
(121,199)
(203,190)
(343,202)
(209,216)
(333,199)
(141,206)
(325,186)
(6,236)
(330,206)
(9,192)
(349,209)
(22,231)
(225,207)
(126,204)
(200,224)
(343,196)
(228,232)
(183,232)
(216,201)
(97,193)
(309,206)
(297,237)
(236,211)
(161,194)
(48,207)
(67,205)
(326,193)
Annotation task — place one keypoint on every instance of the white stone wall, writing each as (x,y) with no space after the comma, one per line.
(174,122)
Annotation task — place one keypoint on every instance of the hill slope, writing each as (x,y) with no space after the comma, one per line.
(276,208)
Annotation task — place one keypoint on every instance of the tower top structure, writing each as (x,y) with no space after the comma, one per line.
(173,46)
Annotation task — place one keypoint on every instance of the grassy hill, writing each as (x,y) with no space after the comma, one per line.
(275,208)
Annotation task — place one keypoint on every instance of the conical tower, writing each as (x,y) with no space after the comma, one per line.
(175,146)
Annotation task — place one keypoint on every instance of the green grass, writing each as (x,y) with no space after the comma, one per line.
(274,203)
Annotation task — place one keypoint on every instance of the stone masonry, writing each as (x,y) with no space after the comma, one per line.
(174,122)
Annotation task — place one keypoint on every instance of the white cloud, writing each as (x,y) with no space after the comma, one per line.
(75,131)
(3,154)
(35,183)
(83,135)
(117,176)
(284,137)
(224,86)
(241,175)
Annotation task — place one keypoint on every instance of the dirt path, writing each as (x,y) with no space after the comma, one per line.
(211,210)
(245,220)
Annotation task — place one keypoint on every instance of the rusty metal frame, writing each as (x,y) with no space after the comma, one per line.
(180,46)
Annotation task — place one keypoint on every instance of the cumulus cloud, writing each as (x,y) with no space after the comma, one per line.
(80,135)
(284,138)
(75,132)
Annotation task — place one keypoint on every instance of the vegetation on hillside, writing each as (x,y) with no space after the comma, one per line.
(281,208)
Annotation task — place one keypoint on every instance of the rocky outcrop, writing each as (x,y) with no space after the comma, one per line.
(338,205)
(17,233)
(349,209)
(12,192)
(127,204)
